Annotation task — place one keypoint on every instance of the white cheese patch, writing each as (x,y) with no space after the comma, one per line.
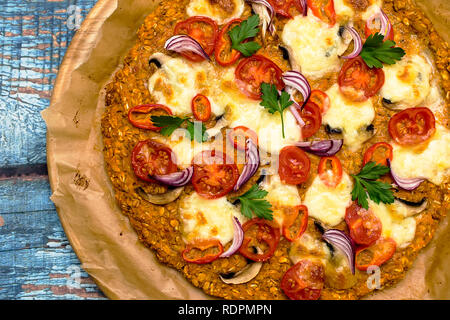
(343,11)
(431,163)
(328,204)
(230,9)
(308,247)
(208,218)
(314,46)
(401,230)
(351,117)
(407,82)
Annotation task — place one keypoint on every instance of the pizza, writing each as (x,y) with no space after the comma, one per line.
(282,149)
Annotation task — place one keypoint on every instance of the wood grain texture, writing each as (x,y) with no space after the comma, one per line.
(36,259)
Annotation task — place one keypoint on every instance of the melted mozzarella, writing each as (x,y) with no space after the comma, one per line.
(407,82)
(179,80)
(328,204)
(309,247)
(221,11)
(343,11)
(402,230)
(351,117)
(208,218)
(431,162)
(313,45)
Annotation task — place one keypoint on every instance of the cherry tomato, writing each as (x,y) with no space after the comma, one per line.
(376,254)
(140,116)
(214,175)
(295,223)
(258,233)
(321,99)
(324,10)
(368,31)
(357,81)
(379,153)
(412,126)
(365,227)
(150,157)
(253,71)
(285,8)
(303,281)
(202,29)
(201,108)
(239,135)
(330,176)
(223,52)
(293,166)
(312,117)
(203,251)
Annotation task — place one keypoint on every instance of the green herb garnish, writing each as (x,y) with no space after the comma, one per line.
(169,124)
(247,29)
(253,203)
(366,183)
(375,51)
(275,102)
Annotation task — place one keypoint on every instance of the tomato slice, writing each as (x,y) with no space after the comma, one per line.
(379,153)
(150,157)
(286,8)
(214,175)
(202,29)
(311,115)
(321,99)
(324,10)
(412,126)
(223,52)
(368,30)
(375,255)
(357,81)
(304,280)
(201,108)
(330,171)
(294,224)
(253,71)
(239,135)
(258,233)
(293,166)
(365,227)
(203,251)
(140,116)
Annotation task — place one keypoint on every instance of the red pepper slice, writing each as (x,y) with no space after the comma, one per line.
(203,251)
(331,177)
(292,220)
(223,52)
(324,10)
(140,116)
(258,232)
(379,152)
(375,255)
(239,135)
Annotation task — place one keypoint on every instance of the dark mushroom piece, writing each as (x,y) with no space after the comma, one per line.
(158,59)
(245,275)
(412,208)
(160,199)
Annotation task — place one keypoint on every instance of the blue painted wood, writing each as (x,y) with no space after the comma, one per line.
(36,260)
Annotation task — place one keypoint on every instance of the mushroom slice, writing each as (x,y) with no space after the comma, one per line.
(221,123)
(245,275)
(159,59)
(407,208)
(163,198)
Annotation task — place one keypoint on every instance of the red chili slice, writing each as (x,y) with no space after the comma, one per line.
(258,233)
(239,135)
(223,52)
(140,116)
(379,153)
(204,251)
(295,221)
(304,280)
(201,108)
(375,255)
(332,175)
(324,10)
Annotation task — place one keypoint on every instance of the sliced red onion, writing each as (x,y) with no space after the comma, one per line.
(343,242)
(322,148)
(266,16)
(294,110)
(405,183)
(357,43)
(297,81)
(176,179)
(238,238)
(386,25)
(185,43)
(304,7)
(250,167)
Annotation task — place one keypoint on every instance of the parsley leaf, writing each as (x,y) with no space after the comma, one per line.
(252,202)
(375,51)
(274,102)
(247,29)
(367,185)
(169,124)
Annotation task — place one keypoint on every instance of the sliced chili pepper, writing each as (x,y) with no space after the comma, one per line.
(223,52)
(379,152)
(330,177)
(292,221)
(258,233)
(203,251)
(375,255)
(140,116)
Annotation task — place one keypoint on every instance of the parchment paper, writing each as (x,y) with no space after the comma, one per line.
(99,233)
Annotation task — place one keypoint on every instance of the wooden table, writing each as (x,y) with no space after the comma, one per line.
(36,259)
